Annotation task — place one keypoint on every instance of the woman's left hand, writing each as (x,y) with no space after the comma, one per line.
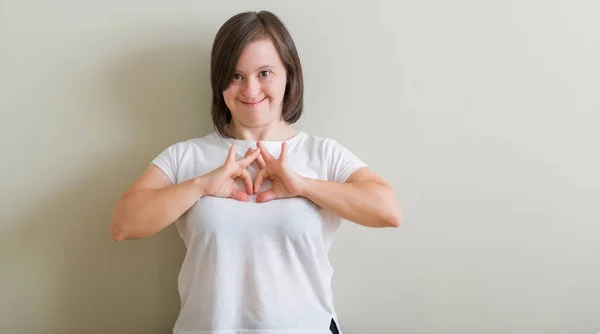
(285,183)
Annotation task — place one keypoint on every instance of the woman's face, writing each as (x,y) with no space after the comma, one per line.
(255,94)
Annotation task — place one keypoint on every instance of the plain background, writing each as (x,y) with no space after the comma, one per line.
(483,115)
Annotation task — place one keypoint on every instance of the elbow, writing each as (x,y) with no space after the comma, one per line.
(123,228)
(393,214)
(120,230)
(116,226)
(393,221)
(393,218)
(116,232)
(115,236)
(127,230)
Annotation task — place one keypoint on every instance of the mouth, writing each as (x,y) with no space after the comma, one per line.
(252,104)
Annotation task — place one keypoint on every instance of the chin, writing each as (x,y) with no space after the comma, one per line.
(258,119)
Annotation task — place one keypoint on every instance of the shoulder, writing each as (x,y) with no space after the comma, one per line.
(326,144)
(195,148)
(186,158)
(204,142)
(330,148)
(339,162)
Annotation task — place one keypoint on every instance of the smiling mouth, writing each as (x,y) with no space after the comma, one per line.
(251,104)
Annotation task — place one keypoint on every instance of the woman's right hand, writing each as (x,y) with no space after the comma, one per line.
(221,181)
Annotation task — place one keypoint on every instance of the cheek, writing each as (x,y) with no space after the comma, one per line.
(276,89)
(229,96)
(228,93)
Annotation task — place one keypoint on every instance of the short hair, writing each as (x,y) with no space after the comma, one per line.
(231,39)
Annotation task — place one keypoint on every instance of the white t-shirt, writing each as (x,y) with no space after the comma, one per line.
(256,268)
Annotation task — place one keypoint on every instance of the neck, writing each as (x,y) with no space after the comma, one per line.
(272,131)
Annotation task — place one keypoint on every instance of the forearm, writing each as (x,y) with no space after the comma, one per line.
(143,213)
(366,203)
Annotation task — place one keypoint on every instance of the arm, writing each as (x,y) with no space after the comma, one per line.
(151,204)
(364,198)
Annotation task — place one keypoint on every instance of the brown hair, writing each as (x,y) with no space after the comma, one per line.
(231,39)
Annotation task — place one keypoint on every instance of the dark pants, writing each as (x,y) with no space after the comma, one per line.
(333,327)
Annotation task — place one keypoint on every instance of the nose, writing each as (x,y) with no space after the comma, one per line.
(251,88)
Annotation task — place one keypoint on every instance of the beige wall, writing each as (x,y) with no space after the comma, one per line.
(482,115)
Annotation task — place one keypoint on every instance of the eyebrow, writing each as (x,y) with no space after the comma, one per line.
(258,69)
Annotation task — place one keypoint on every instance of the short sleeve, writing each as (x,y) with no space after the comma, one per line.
(169,160)
(341,162)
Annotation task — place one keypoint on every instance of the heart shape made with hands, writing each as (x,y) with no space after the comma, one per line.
(285,183)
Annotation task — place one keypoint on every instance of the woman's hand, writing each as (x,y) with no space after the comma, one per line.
(285,182)
(221,181)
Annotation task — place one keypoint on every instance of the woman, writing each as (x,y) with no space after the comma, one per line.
(259,201)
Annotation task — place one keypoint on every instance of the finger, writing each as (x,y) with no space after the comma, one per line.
(248,152)
(244,162)
(238,195)
(260,177)
(266,196)
(264,151)
(283,155)
(231,155)
(261,162)
(247,181)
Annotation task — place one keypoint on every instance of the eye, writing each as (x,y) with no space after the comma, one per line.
(237,77)
(264,74)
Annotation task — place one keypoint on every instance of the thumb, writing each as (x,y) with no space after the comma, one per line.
(260,177)
(238,195)
(266,196)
